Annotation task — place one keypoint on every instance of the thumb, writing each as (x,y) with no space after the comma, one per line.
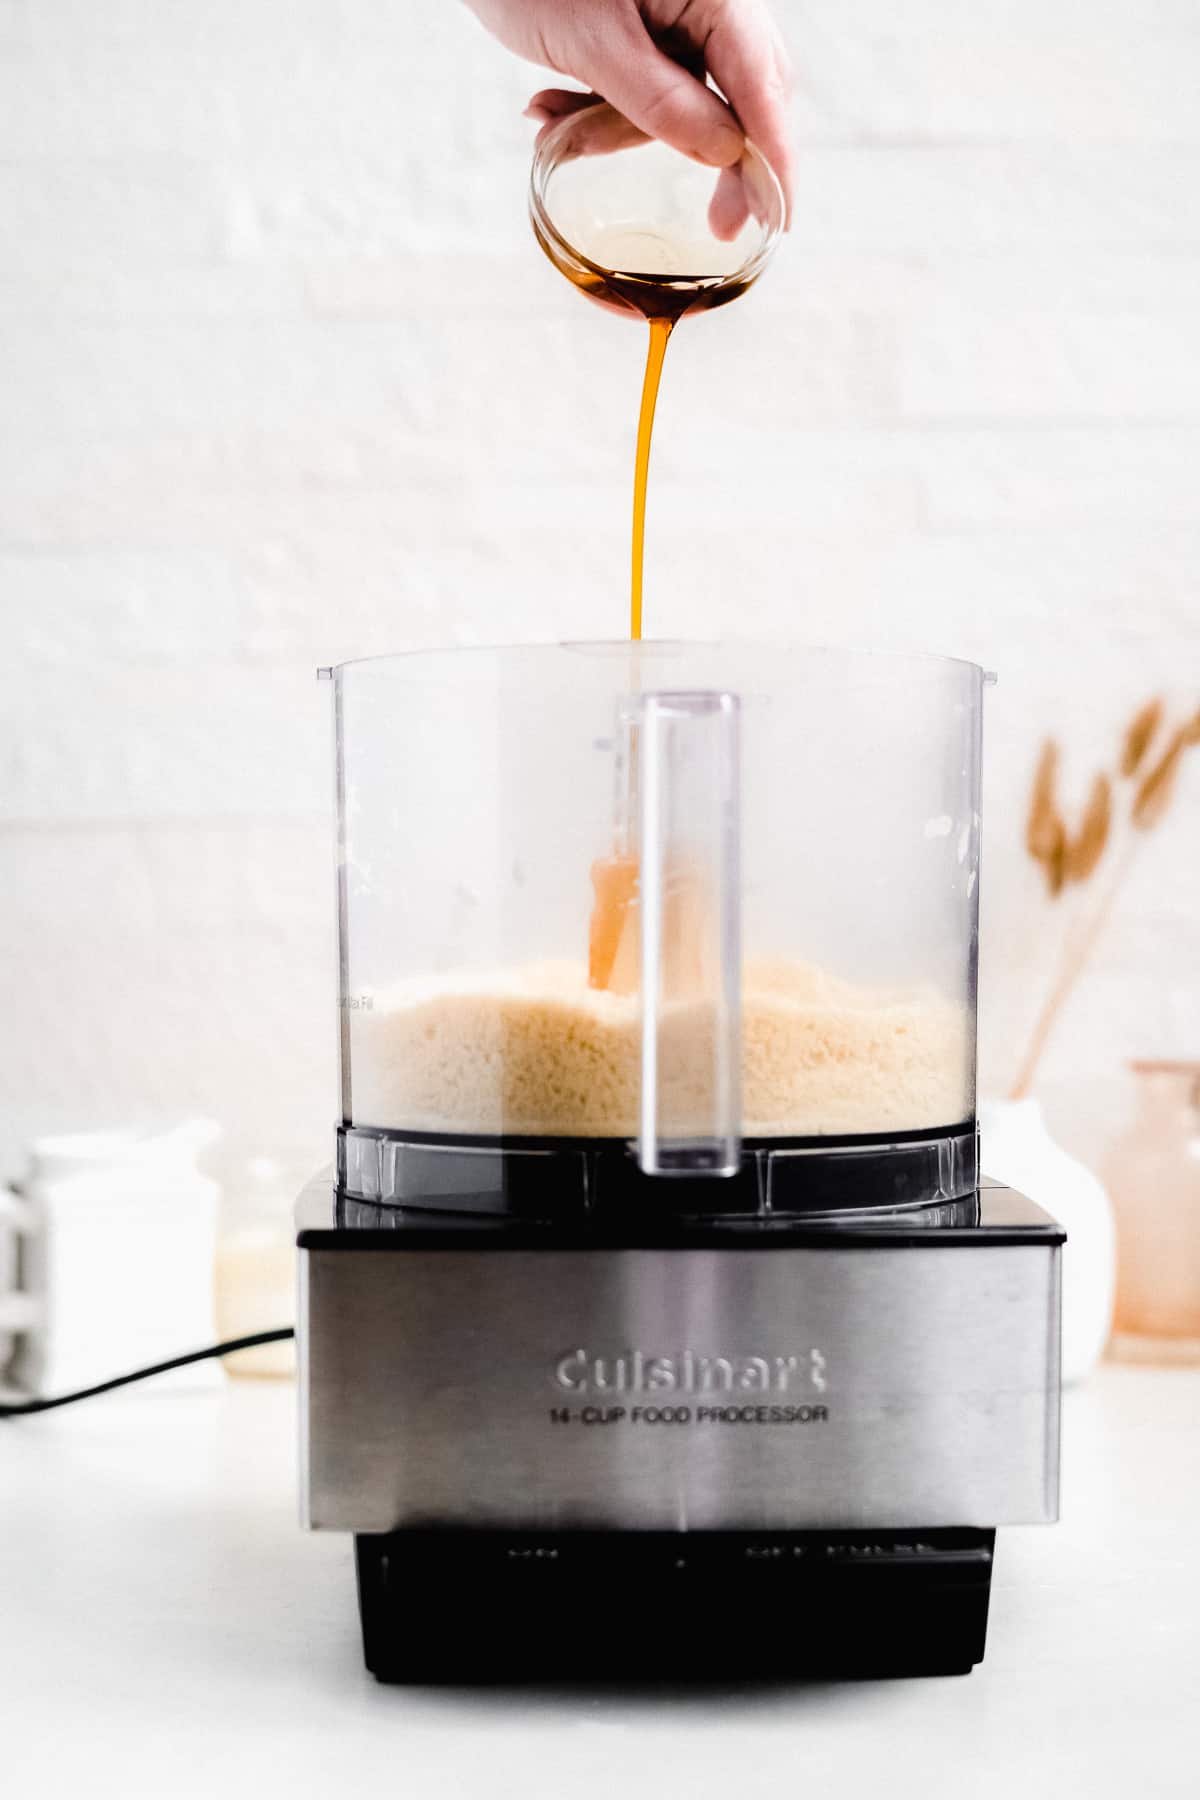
(661,98)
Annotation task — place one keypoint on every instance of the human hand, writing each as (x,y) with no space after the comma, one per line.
(649,59)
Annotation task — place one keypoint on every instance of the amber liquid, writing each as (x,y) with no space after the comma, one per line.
(660,332)
(662,300)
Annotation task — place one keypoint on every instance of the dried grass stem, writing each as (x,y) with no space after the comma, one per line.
(1073,859)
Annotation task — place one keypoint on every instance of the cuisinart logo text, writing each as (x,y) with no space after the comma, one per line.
(687,1372)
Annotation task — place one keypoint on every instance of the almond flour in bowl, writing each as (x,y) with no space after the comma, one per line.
(535,1051)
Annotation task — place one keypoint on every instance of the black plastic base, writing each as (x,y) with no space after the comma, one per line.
(659,1607)
(596,1181)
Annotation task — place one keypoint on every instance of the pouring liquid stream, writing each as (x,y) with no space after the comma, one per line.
(660,332)
(662,300)
(613,934)
(614,930)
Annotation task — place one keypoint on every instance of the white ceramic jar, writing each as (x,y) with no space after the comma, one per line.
(1017,1148)
(119,1235)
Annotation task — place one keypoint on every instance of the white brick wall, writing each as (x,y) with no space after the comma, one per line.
(283,379)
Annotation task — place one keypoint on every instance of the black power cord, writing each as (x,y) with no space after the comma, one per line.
(15,1409)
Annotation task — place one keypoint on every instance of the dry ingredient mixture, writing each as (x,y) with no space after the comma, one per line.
(536,1051)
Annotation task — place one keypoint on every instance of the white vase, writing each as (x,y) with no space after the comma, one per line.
(1018,1150)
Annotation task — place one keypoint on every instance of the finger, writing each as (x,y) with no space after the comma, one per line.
(558,103)
(600,129)
(748,61)
(728,209)
(634,75)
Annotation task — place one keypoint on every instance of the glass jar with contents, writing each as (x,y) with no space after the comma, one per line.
(1153,1176)
(647,233)
(255,1264)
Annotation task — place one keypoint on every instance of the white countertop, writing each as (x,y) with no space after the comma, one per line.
(167,1630)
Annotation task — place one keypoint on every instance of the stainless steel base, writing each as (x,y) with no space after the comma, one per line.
(737,1380)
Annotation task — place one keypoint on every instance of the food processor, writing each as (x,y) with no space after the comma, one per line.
(658,1323)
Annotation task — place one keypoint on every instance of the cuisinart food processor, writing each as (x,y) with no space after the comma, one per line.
(658,1322)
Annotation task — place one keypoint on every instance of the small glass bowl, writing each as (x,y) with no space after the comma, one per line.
(641,227)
